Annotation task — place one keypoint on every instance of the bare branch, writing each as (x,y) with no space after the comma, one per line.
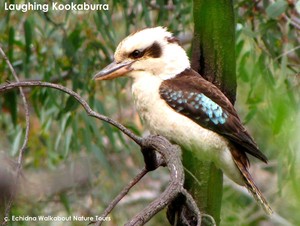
(121,195)
(170,156)
(24,145)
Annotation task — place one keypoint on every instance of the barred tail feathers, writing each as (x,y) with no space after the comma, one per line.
(242,164)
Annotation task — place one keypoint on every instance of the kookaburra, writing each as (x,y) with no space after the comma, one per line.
(175,101)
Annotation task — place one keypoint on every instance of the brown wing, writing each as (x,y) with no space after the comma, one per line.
(201,101)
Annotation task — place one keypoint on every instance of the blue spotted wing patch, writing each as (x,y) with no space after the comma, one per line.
(195,105)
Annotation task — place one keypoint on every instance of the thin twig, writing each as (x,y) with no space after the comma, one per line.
(24,145)
(192,205)
(287,52)
(291,21)
(121,195)
(134,181)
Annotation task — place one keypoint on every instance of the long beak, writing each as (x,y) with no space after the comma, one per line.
(114,70)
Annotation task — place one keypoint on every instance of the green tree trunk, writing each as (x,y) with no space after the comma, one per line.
(213,56)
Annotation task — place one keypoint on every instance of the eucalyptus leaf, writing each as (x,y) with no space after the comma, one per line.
(10,102)
(28,38)
(71,104)
(277,8)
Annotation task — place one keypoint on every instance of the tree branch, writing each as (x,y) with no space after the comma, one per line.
(121,195)
(170,156)
(24,145)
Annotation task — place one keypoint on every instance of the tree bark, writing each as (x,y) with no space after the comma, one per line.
(213,56)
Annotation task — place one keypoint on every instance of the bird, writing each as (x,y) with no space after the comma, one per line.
(176,102)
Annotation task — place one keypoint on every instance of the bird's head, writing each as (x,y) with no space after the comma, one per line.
(151,51)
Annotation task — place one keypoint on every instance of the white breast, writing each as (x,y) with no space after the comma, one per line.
(163,120)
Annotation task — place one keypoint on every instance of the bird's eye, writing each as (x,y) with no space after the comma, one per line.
(136,54)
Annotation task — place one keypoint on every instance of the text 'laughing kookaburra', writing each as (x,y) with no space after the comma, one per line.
(176,102)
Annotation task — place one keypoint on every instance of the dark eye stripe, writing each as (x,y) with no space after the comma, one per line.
(153,51)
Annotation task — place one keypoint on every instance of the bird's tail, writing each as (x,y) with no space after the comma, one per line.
(251,186)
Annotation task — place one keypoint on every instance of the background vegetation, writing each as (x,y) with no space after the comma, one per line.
(75,165)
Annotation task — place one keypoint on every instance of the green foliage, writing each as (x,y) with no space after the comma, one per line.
(68,48)
(276,9)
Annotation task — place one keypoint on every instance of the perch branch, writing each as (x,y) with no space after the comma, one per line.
(170,156)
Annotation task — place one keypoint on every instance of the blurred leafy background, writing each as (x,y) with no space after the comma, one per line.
(75,165)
